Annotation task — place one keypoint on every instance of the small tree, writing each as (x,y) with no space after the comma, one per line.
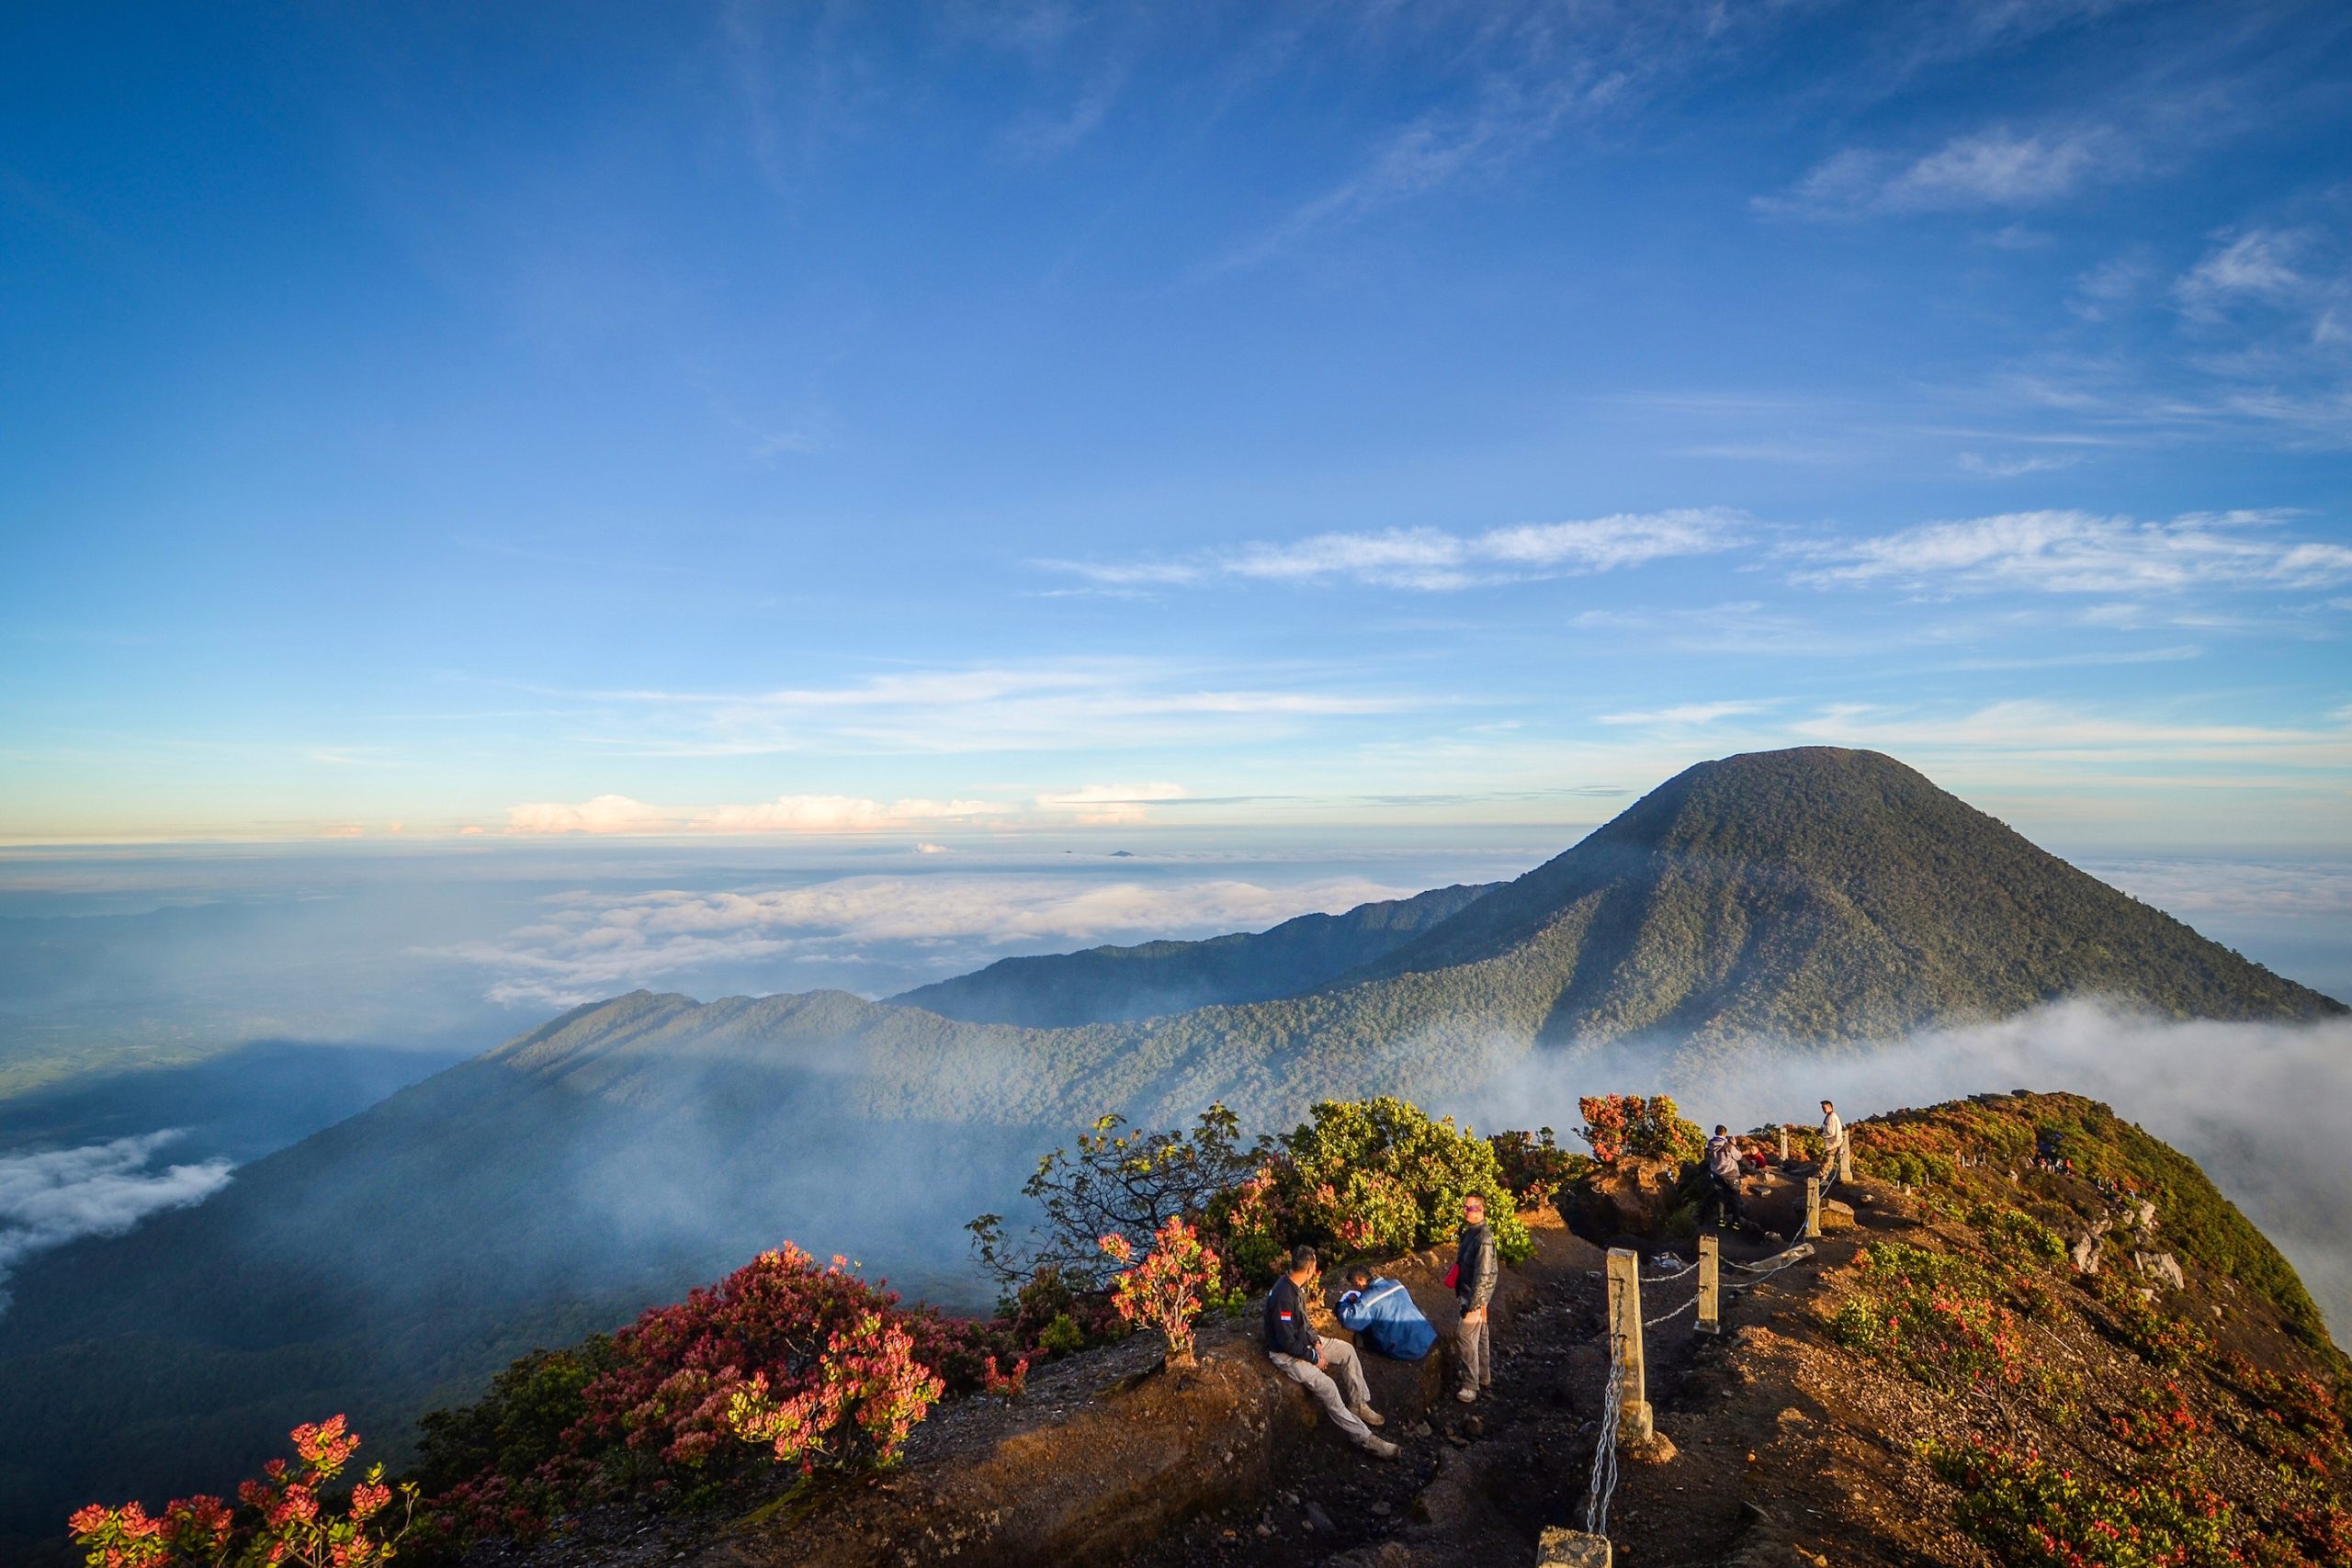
(293,1522)
(866,1400)
(1126,1184)
(1166,1291)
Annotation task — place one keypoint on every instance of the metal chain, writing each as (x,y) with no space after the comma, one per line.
(1678,1311)
(1604,1485)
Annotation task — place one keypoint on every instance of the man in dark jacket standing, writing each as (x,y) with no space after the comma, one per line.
(1475,1268)
(1310,1360)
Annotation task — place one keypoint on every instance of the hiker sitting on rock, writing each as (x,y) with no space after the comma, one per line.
(1724,1171)
(1311,1361)
(1380,1312)
(1475,1268)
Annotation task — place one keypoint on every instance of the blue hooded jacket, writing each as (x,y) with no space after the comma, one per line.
(1383,1315)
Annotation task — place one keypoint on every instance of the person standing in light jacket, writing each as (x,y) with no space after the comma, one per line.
(1475,1268)
(1833,1141)
(1724,1173)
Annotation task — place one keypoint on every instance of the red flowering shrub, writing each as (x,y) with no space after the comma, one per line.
(2162,1423)
(813,1364)
(1167,1289)
(2030,1514)
(1936,1315)
(860,1398)
(1648,1128)
(288,1517)
(1007,1385)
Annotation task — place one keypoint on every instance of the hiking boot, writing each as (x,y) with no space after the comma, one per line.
(1371,1418)
(1466,1395)
(1379,1448)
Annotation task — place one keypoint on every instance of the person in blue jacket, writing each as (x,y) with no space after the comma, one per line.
(1380,1312)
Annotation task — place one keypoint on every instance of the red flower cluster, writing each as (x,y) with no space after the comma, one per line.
(291,1522)
(1649,1127)
(1166,1290)
(812,1363)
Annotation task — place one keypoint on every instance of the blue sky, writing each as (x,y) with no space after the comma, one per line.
(939,423)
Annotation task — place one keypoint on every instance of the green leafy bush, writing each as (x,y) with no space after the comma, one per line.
(1535,1167)
(1937,1315)
(1414,1168)
(2030,1514)
(2016,1233)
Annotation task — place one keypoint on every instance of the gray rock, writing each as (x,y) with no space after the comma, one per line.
(2085,1255)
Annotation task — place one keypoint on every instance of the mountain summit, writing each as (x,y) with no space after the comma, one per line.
(1824,894)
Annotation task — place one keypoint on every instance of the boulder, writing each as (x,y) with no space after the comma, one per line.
(2161,1266)
(2085,1255)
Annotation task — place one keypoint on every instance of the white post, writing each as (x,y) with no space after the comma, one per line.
(1709,1265)
(1846,1158)
(1626,1327)
(1811,1208)
(1784,1143)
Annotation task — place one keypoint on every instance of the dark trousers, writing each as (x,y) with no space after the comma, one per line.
(1727,1199)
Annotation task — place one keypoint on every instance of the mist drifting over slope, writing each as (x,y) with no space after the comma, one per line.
(2260,1106)
(59,1195)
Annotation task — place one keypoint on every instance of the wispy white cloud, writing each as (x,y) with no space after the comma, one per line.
(1434,561)
(1100,805)
(2080,552)
(2017,467)
(1684,715)
(50,1198)
(1080,702)
(618,814)
(589,945)
(2050,731)
(2258,264)
(1998,167)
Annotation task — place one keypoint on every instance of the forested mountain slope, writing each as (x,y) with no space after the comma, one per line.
(1110,985)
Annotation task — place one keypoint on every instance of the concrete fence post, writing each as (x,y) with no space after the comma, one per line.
(1625,1331)
(1709,1264)
(1784,1143)
(1846,1159)
(1813,1208)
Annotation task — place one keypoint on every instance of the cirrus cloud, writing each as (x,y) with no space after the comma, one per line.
(1437,560)
(2082,552)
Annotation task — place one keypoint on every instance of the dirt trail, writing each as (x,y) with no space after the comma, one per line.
(1477,1484)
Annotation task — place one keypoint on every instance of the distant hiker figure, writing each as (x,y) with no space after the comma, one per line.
(1475,1268)
(1380,1312)
(1723,1170)
(1833,1144)
(1310,1360)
